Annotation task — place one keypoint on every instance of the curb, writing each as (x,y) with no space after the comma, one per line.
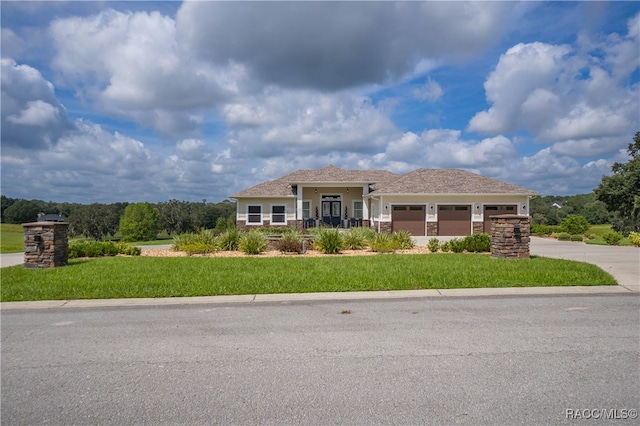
(308,297)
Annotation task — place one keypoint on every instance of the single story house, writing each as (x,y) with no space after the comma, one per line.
(438,202)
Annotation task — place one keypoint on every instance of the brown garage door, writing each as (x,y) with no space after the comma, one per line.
(408,218)
(495,211)
(454,220)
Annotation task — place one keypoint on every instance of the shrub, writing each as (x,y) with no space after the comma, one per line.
(100,249)
(201,243)
(328,241)
(541,230)
(128,249)
(457,245)
(577,238)
(445,247)
(291,242)
(229,239)
(634,238)
(575,224)
(563,236)
(612,238)
(198,247)
(433,245)
(354,240)
(383,243)
(402,240)
(253,242)
(477,243)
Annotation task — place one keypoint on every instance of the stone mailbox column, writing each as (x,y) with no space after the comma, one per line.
(510,236)
(46,244)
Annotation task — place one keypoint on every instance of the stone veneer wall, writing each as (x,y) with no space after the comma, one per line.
(432,228)
(53,248)
(505,243)
(478,227)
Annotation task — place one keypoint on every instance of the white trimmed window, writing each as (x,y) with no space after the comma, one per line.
(254,214)
(306,209)
(357,209)
(278,215)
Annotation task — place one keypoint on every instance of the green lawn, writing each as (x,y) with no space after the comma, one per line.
(599,231)
(11,238)
(124,277)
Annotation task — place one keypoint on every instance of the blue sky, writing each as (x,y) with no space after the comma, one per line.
(149,101)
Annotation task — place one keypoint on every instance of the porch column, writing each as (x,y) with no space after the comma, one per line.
(299,199)
(365,205)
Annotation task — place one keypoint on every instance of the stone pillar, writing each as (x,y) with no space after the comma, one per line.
(510,236)
(46,244)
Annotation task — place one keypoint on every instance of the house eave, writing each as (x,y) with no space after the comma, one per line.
(451,194)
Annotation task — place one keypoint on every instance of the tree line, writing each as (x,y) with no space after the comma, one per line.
(100,221)
(616,200)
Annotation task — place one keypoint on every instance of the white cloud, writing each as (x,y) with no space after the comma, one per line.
(130,64)
(567,97)
(431,91)
(299,122)
(32,116)
(36,113)
(444,148)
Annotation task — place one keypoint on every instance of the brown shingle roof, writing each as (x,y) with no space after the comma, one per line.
(448,181)
(282,187)
(421,181)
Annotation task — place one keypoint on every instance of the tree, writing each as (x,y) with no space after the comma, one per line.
(22,211)
(621,191)
(140,222)
(95,221)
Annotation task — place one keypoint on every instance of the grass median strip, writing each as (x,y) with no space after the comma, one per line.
(131,277)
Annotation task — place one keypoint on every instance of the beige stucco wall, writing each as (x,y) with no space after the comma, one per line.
(266,203)
(433,201)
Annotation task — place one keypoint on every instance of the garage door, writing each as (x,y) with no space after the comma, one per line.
(495,211)
(454,220)
(408,218)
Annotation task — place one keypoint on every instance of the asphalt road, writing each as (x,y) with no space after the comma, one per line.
(480,360)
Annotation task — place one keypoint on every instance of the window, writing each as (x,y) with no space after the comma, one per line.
(399,208)
(254,215)
(278,215)
(415,208)
(357,209)
(306,209)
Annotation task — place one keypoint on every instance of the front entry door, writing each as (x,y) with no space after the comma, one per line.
(331,211)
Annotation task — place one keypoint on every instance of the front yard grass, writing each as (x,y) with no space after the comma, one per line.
(133,277)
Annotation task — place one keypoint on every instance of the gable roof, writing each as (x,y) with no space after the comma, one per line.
(448,181)
(283,187)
